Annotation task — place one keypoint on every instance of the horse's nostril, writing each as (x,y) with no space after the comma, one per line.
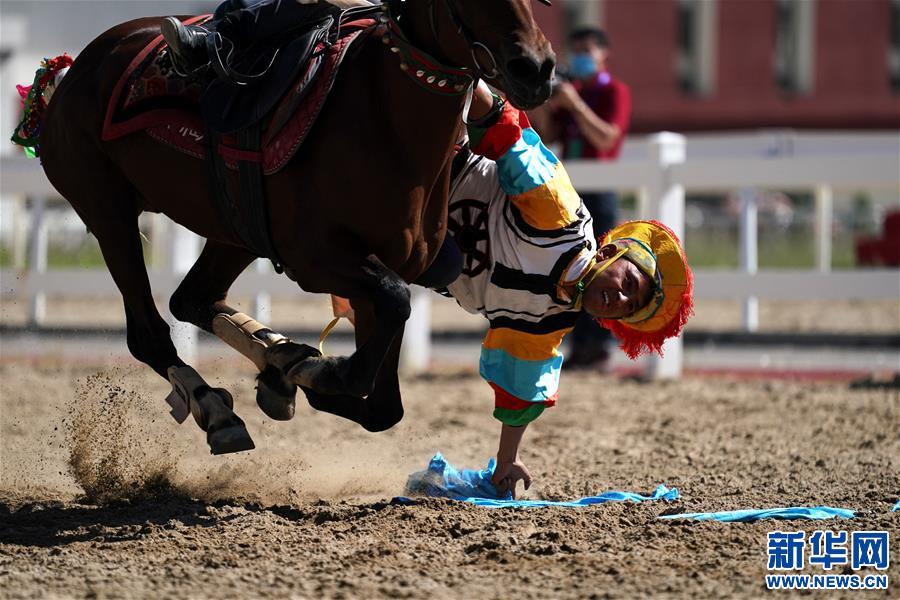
(523,68)
(547,68)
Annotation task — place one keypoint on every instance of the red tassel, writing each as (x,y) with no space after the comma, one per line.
(23,93)
(635,343)
(27,132)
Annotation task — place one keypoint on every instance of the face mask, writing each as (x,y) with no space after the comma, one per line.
(582,65)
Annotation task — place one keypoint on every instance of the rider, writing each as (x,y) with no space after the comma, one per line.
(530,264)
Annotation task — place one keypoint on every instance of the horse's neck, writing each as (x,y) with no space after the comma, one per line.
(441,114)
(423,121)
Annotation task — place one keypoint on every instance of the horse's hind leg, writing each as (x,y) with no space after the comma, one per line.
(149,340)
(200,299)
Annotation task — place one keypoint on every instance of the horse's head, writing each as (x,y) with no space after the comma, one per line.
(500,41)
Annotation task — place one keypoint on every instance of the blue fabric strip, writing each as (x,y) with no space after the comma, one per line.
(896,507)
(527,165)
(442,480)
(530,380)
(747,516)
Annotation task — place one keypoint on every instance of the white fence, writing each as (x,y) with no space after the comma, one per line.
(660,177)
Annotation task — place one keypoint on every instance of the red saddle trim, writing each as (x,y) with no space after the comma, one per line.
(112,130)
(183,129)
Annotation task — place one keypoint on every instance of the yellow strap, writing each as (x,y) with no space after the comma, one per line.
(325,333)
(592,273)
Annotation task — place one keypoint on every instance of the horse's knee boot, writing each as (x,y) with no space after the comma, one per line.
(247,336)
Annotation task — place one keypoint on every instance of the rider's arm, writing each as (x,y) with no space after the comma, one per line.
(523,370)
(531,175)
(510,469)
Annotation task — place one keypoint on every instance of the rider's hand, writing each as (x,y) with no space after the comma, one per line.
(482,102)
(508,474)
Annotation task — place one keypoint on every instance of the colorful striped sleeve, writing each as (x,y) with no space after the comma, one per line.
(531,175)
(523,370)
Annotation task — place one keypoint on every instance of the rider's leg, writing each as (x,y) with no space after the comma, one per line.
(187,44)
(238,23)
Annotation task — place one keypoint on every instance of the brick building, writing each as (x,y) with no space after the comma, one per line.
(733,64)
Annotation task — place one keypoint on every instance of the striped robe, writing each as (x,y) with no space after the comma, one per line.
(523,230)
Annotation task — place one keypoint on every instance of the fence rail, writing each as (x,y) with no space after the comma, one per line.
(660,178)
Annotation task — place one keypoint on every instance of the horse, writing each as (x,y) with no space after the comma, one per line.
(359,212)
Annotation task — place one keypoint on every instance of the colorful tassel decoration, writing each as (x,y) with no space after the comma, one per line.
(34,104)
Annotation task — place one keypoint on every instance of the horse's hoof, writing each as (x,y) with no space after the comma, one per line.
(233,438)
(275,395)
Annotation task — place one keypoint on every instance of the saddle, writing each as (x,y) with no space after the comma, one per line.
(254,126)
(250,83)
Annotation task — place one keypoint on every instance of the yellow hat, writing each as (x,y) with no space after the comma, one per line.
(673,303)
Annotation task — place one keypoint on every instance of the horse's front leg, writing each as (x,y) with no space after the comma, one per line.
(354,375)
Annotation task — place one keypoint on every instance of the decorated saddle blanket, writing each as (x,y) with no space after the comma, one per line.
(150,96)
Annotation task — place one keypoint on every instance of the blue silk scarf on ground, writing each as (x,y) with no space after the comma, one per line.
(443,480)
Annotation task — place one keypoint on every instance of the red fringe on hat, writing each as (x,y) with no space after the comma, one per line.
(635,342)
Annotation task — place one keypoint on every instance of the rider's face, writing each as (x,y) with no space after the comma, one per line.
(619,291)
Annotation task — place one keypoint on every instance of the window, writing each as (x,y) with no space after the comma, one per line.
(894,49)
(695,61)
(794,45)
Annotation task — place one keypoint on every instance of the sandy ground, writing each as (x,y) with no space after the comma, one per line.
(103,495)
(312,312)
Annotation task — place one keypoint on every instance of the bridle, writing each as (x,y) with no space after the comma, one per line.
(475,46)
(466,34)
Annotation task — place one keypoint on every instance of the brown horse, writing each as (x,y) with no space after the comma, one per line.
(359,211)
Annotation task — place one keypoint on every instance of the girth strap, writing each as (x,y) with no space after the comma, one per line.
(248,214)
